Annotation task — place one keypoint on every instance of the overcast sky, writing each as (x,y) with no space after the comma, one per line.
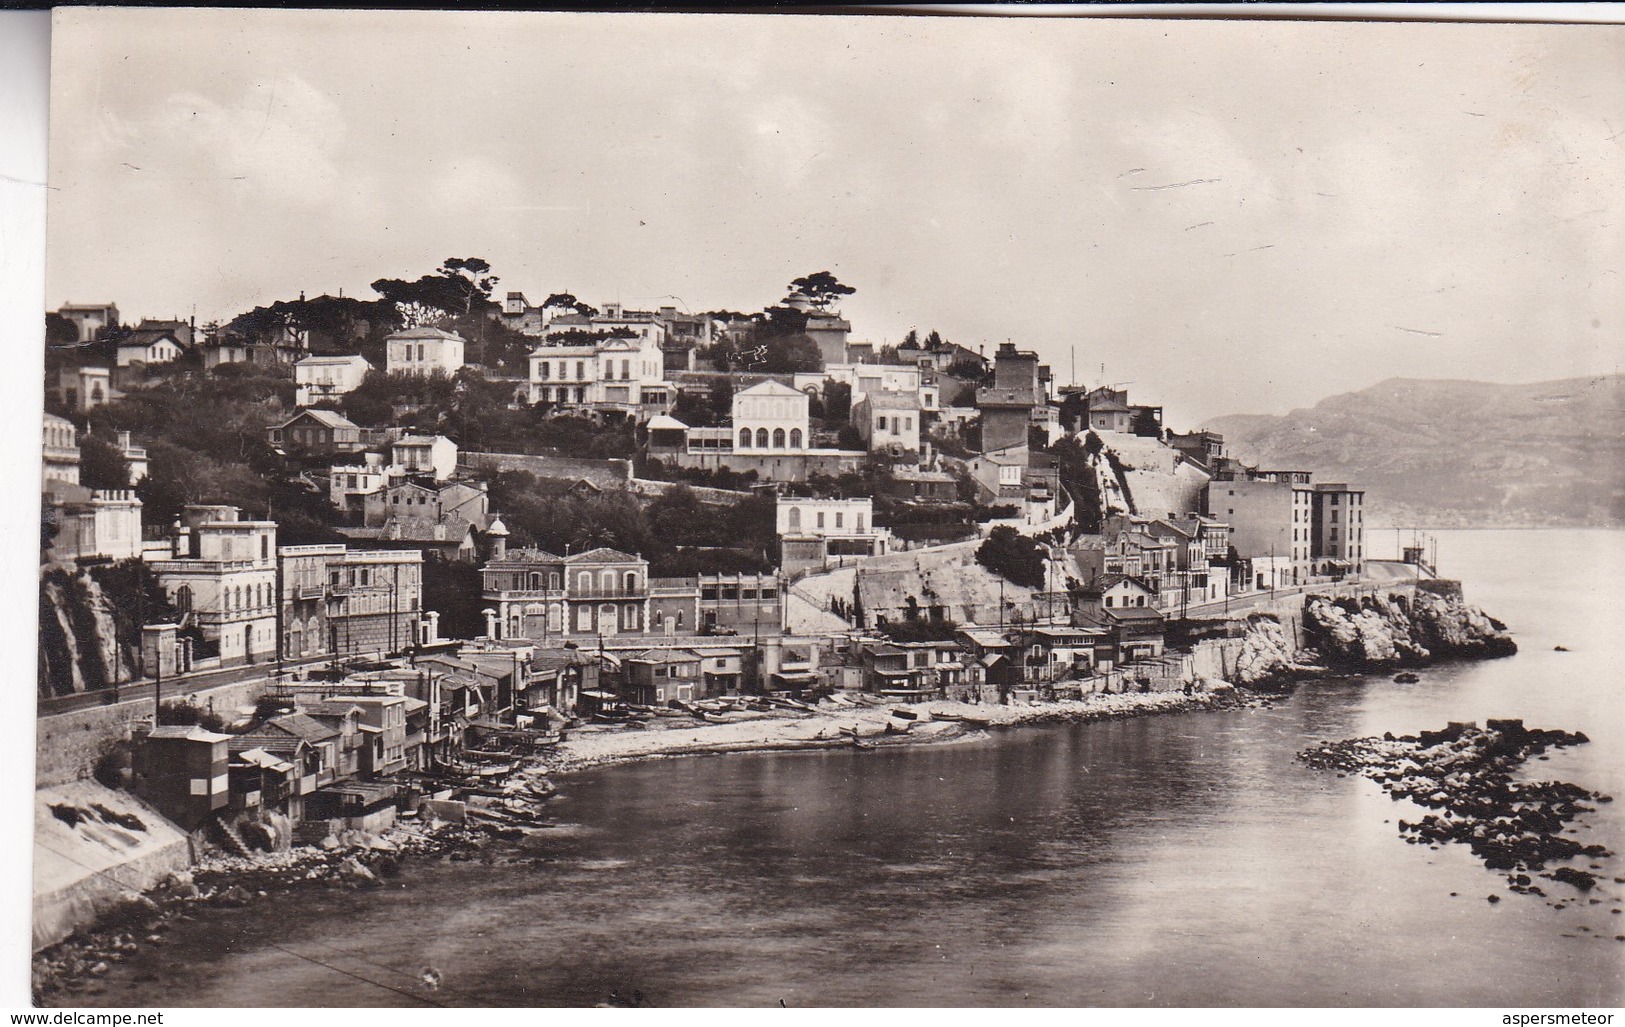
(1235,217)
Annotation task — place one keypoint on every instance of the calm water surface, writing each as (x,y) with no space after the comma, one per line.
(1182,861)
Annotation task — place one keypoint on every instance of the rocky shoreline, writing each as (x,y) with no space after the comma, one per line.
(1374,632)
(1468,775)
(72,968)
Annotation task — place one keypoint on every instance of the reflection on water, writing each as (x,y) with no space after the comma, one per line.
(1182,861)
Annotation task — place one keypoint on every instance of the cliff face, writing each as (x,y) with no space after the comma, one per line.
(1393,630)
(79,646)
(1266,655)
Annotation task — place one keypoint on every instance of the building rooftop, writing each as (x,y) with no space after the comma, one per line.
(425,333)
(189,732)
(603,554)
(327,418)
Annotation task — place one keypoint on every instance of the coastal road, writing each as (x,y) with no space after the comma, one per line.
(186,684)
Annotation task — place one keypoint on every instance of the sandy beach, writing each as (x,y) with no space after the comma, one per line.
(835,726)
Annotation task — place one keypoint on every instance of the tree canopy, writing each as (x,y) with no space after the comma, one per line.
(102,465)
(1013,556)
(822,288)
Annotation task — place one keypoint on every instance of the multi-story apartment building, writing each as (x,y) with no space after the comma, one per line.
(339,601)
(1269,518)
(61,453)
(615,375)
(537,595)
(221,576)
(1338,521)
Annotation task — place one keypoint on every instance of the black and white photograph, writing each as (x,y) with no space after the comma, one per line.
(825,509)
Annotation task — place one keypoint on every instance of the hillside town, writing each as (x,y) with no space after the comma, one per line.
(304,570)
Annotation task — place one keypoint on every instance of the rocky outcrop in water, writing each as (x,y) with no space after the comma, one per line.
(1381,631)
(1467,774)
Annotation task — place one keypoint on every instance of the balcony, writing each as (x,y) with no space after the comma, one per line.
(618,592)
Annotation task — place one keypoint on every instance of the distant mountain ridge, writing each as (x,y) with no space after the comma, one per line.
(1458,453)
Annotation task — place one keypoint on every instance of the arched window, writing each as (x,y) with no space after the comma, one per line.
(744,438)
(659,620)
(795,518)
(679,620)
(761,438)
(606,580)
(795,438)
(778,438)
(553,581)
(584,581)
(535,582)
(631,582)
(183,599)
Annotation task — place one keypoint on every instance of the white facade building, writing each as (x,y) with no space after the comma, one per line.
(348,483)
(142,348)
(423,351)
(223,576)
(823,518)
(323,378)
(425,454)
(615,374)
(770,416)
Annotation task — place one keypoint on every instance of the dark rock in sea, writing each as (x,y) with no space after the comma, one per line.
(1579,878)
(1495,898)
(1466,774)
(1560,648)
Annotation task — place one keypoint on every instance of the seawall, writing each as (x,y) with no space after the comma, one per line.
(95,848)
(67,745)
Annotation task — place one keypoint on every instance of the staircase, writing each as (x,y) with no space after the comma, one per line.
(230,838)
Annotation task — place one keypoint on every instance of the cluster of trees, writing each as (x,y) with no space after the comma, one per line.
(205,441)
(677,533)
(1013,556)
(474,412)
(698,411)
(456,296)
(706,477)
(776,341)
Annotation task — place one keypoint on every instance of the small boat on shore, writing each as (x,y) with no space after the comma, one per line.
(542,788)
(904,714)
(1406,678)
